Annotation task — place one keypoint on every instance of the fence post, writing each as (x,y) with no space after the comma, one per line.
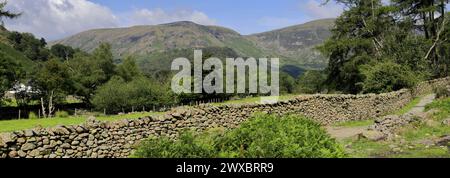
(39,113)
(19,114)
(75,112)
(104,111)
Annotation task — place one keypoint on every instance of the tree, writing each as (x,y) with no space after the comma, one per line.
(357,39)
(32,47)
(62,51)
(128,69)
(387,76)
(89,71)
(6,13)
(104,59)
(9,72)
(287,83)
(405,32)
(52,81)
(311,82)
(428,16)
(118,95)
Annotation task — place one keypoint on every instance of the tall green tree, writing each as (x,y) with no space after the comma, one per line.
(62,51)
(357,39)
(89,71)
(52,81)
(104,59)
(429,17)
(128,69)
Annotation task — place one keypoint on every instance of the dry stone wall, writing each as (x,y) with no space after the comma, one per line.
(97,139)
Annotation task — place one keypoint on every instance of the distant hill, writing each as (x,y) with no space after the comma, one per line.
(297,42)
(293,45)
(143,40)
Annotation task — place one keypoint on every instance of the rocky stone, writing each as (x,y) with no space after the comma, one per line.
(443,140)
(21,140)
(21,154)
(80,129)
(372,135)
(446,122)
(60,130)
(35,153)
(6,138)
(28,146)
(65,145)
(13,154)
(28,133)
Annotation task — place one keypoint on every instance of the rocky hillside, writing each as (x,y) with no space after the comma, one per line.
(297,42)
(293,45)
(143,40)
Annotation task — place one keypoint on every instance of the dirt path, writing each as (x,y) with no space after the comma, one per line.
(344,132)
(420,107)
(347,132)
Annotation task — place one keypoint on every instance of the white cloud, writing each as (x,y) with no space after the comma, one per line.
(54,19)
(159,16)
(315,9)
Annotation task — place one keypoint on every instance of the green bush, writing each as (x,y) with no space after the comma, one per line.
(386,77)
(263,136)
(62,114)
(118,94)
(32,115)
(311,82)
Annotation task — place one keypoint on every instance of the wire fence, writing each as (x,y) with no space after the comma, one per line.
(23,112)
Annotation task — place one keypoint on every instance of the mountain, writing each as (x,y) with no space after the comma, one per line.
(293,45)
(297,42)
(144,40)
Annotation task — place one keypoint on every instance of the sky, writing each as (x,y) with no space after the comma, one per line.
(56,19)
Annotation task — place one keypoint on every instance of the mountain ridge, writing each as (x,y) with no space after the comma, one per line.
(293,45)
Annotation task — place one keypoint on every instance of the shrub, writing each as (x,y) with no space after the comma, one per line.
(188,145)
(118,94)
(32,115)
(311,82)
(386,77)
(263,136)
(62,114)
(269,136)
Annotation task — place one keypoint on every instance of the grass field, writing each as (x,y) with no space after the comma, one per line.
(355,123)
(13,125)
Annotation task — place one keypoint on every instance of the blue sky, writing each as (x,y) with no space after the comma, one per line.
(56,19)
(245,16)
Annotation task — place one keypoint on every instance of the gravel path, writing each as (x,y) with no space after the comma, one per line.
(346,132)
(420,107)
